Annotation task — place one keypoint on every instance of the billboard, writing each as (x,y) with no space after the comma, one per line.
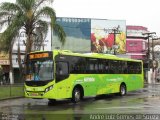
(92,35)
(108,36)
(77,34)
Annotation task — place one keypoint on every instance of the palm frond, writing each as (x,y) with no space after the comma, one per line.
(60,32)
(42,27)
(3,23)
(26,4)
(46,12)
(39,2)
(11,32)
(4,15)
(28,14)
(9,7)
(40,33)
(38,41)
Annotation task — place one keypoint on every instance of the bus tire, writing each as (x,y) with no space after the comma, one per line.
(76,95)
(122,90)
(51,101)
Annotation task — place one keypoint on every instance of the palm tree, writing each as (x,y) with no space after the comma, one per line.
(29,16)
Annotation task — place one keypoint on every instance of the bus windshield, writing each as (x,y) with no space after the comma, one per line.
(40,70)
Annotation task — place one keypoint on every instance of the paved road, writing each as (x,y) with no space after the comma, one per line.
(142,102)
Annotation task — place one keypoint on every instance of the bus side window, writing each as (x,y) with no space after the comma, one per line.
(138,68)
(134,67)
(111,71)
(106,67)
(113,67)
(124,67)
(62,71)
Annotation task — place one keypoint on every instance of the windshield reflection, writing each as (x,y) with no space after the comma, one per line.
(40,70)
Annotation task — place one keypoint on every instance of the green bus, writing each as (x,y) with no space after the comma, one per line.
(61,74)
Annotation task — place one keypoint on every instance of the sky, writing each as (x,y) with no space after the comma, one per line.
(136,12)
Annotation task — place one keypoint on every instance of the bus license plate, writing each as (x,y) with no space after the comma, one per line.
(34,94)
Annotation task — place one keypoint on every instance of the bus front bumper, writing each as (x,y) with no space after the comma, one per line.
(37,93)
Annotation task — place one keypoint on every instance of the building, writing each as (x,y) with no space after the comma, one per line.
(136,43)
(4,68)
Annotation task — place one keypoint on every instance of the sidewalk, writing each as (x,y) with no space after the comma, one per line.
(3,99)
(152,82)
(157,83)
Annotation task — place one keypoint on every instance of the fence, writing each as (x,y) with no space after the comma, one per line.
(11,91)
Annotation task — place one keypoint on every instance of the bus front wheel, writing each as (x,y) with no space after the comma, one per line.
(76,95)
(51,101)
(123,90)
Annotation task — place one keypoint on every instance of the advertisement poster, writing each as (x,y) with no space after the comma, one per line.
(108,36)
(92,35)
(77,34)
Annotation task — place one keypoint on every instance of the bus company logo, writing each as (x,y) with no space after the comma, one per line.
(79,81)
(114,79)
(89,79)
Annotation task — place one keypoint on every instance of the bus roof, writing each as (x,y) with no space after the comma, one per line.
(91,55)
(94,55)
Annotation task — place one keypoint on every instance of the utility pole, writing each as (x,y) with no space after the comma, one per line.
(148,35)
(153,57)
(154,62)
(114,32)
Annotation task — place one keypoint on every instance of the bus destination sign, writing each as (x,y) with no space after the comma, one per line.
(38,55)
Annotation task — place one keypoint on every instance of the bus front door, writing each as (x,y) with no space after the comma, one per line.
(62,73)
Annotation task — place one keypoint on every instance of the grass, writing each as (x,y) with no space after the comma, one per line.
(10,91)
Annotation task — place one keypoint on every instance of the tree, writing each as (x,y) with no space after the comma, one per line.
(30,16)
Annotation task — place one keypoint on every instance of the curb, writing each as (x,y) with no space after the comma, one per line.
(151,83)
(9,98)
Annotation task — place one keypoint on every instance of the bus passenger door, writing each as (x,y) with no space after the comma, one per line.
(62,73)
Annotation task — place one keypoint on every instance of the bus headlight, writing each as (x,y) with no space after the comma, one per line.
(49,88)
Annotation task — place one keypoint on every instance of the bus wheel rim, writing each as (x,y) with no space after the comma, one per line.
(123,90)
(77,95)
